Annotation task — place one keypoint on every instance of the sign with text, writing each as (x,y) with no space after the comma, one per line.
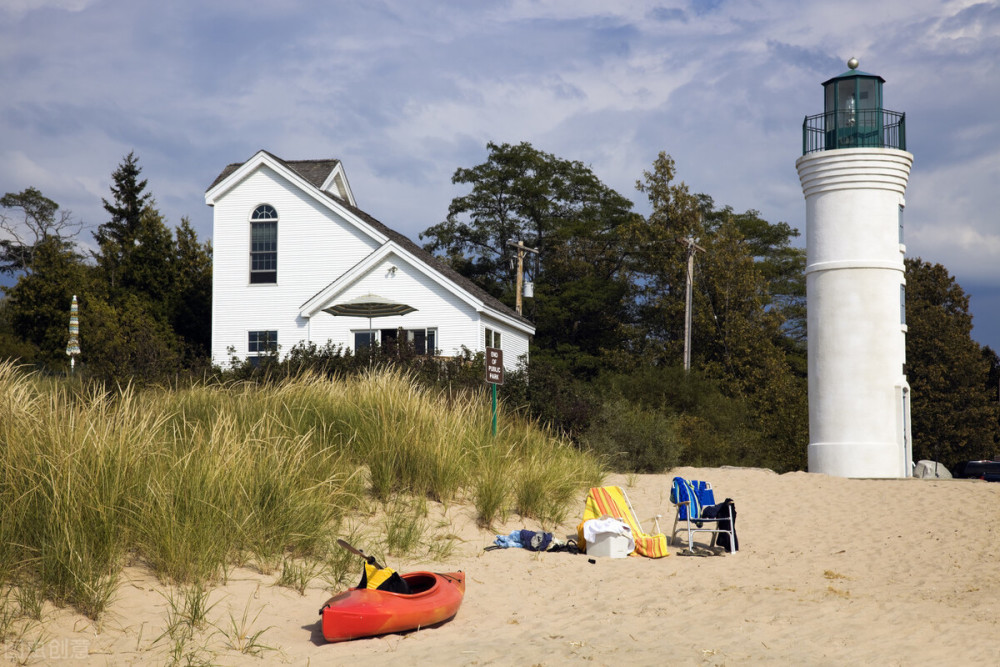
(494,365)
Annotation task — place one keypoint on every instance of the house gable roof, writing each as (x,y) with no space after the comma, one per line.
(327,175)
(319,178)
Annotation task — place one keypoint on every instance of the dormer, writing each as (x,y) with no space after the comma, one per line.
(336,184)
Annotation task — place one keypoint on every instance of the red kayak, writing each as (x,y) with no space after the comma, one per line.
(363,612)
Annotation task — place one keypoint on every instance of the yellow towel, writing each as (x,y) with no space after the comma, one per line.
(610,501)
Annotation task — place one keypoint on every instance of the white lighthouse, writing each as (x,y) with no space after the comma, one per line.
(854,169)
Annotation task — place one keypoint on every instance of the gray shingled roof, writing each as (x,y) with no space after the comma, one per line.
(316,171)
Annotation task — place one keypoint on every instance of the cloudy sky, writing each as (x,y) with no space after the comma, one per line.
(406,91)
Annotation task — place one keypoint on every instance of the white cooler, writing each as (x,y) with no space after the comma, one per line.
(609,545)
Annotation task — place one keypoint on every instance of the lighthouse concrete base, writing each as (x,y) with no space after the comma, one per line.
(856,459)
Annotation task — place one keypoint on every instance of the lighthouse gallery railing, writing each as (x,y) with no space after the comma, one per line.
(867,128)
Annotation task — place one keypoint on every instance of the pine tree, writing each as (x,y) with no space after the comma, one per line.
(192,299)
(117,238)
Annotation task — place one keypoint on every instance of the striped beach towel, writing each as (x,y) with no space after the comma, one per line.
(698,494)
(611,501)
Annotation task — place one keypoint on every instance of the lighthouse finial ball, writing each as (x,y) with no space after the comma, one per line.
(853,63)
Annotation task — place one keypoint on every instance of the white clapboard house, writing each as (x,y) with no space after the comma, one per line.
(291,249)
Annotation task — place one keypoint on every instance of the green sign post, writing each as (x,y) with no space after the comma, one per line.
(494,376)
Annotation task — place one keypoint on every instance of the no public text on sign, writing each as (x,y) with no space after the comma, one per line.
(494,365)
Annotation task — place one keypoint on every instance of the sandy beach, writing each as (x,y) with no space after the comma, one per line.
(830,572)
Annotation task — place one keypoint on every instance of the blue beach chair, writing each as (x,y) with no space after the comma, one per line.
(692,498)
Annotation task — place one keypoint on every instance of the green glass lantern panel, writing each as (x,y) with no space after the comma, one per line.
(846,104)
(869,122)
(868,94)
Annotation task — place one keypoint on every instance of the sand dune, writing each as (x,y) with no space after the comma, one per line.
(830,572)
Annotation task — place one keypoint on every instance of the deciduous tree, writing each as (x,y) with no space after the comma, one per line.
(39,304)
(576,223)
(128,342)
(953,416)
(739,329)
(39,221)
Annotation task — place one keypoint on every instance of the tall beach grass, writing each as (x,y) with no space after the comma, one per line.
(197,480)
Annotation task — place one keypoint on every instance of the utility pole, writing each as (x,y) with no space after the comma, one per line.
(521,249)
(692,247)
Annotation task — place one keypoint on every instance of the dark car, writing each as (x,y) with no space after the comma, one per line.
(988,470)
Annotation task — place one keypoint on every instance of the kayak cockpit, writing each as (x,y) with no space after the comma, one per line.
(420,582)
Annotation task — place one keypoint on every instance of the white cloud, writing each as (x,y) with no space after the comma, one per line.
(405,92)
(18,8)
(947,222)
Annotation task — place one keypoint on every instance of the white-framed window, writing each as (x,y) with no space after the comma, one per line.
(264,245)
(260,344)
(492,338)
(423,341)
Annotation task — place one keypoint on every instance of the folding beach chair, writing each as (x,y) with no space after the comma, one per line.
(612,501)
(693,499)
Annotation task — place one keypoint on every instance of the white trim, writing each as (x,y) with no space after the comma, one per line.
(856,264)
(854,169)
(263,159)
(337,185)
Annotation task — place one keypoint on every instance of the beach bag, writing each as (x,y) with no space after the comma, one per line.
(384,579)
(535,541)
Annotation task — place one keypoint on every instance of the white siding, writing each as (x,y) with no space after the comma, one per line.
(316,246)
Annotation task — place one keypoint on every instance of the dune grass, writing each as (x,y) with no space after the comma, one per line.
(197,480)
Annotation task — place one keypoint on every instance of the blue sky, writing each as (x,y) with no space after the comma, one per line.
(406,91)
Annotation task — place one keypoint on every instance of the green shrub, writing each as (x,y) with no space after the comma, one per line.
(634,439)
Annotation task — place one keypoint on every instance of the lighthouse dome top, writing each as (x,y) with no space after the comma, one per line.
(853,71)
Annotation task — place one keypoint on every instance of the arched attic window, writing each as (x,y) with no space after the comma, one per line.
(264,245)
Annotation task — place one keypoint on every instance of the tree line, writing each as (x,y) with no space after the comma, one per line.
(609,307)
(146,290)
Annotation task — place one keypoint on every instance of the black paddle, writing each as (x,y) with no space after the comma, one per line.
(358,552)
(354,550)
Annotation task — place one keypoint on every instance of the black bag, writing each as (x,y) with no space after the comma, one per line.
(723,510)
